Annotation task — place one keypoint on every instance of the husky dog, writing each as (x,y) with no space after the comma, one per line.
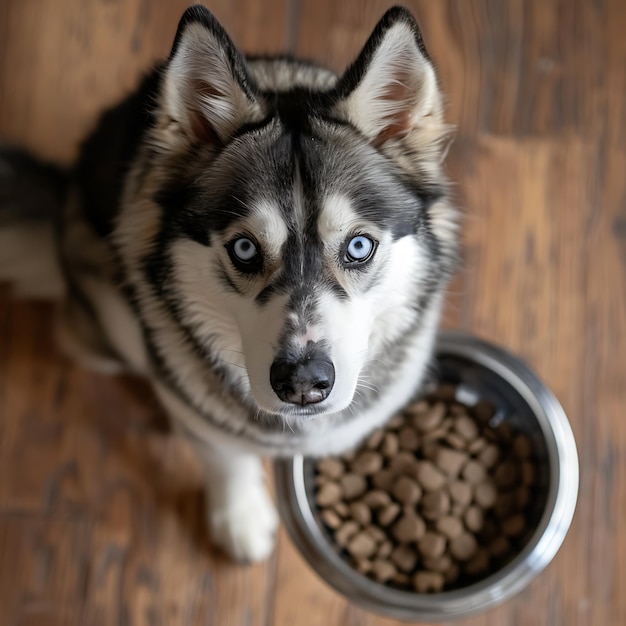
(266,242)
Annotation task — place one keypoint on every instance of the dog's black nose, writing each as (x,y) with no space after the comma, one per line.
(302,382)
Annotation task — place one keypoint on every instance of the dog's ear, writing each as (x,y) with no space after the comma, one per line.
(207,90)
(391,89)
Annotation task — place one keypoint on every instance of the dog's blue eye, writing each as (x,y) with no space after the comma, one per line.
(245,255)
(244,249)
(360,248)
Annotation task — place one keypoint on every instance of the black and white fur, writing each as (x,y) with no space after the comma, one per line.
(213,148)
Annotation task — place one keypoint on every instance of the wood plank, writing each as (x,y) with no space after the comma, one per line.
(62,62)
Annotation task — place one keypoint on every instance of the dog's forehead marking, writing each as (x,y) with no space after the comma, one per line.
(337,217)
(267,223)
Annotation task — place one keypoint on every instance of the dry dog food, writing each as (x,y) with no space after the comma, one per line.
(436,500)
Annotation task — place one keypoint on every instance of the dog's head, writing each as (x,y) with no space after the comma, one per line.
(305,217)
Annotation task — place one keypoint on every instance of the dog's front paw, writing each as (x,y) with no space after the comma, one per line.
(244,526)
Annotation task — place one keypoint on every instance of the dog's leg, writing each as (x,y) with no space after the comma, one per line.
(241,515)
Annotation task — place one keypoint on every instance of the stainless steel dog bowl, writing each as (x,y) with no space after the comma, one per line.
(481,371)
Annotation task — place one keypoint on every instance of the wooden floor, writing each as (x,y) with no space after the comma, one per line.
(101,511)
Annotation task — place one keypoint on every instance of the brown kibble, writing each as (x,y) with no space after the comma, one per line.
(408,439)
(491,435)
(367,463)
(505,431)
(418,407)
(403,463)
(514,526)
(377,534)
(375,439)
(397,421)
(409,509)
(449,526)
(489,456)
(361,546)
(361,513)
(431,419)
(446,391)
(429,477)
(457,510)
(384,550)
(390,444)
(435,504)
(522,446)
(400,579)
(477,446)
(429,450)
(409,528)
(384,479)
(460,492)
(432,545)
(473,473)
(485,495)
(529,476)
(463,547)
(345,533)
(353,485)
(483,411)
(383,570)
(474,519)
(505,504)
(489,531)
(442,564)
(388,514)
(522,495)
(427,582)
(506,475)
(406,490)
(376,499)
(456,441)
(451,575)
(341,508)
(331,519)
(405,558)
(466,427)
(478,564)
(433,436)
(457,409)
(447,424)
(333,468)
(328,494)
(449,461)
(500,547)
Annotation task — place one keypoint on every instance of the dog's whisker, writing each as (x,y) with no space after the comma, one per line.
(243,367)
(370,387)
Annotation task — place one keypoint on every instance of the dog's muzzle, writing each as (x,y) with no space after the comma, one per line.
(308,380)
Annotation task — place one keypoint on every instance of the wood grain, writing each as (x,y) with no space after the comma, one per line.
(101,510)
